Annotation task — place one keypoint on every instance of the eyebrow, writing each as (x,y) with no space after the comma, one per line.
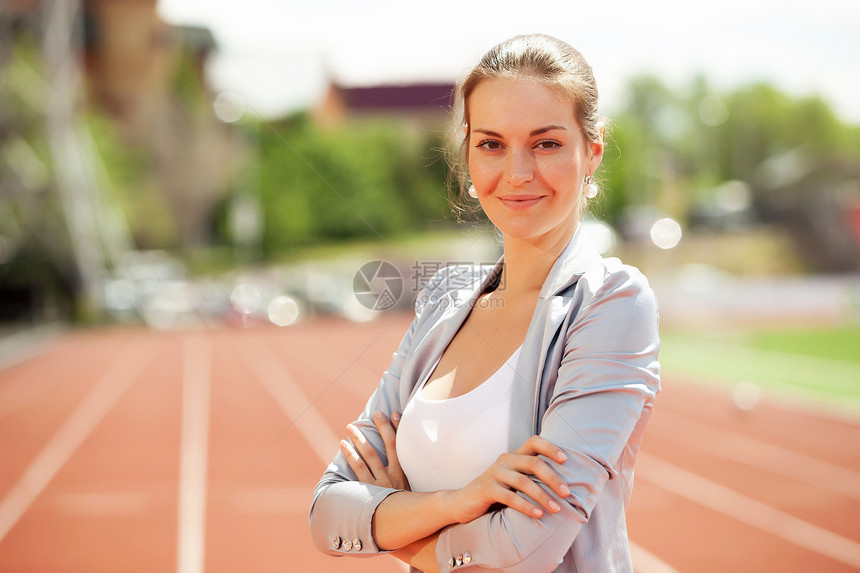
(537,131)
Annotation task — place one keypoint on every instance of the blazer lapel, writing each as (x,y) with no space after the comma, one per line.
(450,313)
(552,308)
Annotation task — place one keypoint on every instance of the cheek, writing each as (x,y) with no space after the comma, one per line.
(563,172)
(484,173)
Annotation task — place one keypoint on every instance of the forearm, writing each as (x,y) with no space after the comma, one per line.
(406,517)
(420,554)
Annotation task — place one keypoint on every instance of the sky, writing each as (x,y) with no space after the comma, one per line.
(279,54)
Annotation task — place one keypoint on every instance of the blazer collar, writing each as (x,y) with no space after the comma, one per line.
(576,258)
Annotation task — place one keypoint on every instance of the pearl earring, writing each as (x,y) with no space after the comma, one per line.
(591,188)
(473,193)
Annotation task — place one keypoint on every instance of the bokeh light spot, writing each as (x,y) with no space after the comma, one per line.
(601,235)
(713,111)
(283,311)
(246,299)
(229,107)
(746,395)
(666,233)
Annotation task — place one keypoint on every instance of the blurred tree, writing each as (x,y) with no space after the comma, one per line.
(130,185)
(698,151)
(703,138)
(645,146)
(37,271)
(764,122)
(367,179)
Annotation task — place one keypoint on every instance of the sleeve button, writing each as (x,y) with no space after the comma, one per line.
(356,544)
(347,545)
(452,562)
(467,558)
(459,560)
(335,542)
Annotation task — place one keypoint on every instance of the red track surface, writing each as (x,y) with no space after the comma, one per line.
(93,430)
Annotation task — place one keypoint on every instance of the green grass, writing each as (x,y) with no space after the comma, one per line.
(821,364)
(833,343)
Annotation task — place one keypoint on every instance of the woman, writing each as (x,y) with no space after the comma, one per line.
(524,390)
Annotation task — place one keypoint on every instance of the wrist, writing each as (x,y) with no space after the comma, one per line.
(447,507)
(405,516)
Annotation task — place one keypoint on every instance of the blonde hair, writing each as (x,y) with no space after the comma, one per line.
(537,56)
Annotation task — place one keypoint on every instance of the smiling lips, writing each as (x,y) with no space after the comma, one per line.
(517,202)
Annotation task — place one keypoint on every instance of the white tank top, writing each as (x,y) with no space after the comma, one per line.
(445,444)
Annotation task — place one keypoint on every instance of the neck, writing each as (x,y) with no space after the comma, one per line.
(528,261)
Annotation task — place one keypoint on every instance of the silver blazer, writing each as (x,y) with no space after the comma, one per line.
(586,380)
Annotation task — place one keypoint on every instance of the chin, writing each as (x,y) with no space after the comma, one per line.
(534,233)
(524,234)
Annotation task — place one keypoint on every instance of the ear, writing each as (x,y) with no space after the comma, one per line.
(595,149)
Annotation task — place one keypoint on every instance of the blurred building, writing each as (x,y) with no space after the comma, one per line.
(424,104)
(818,201)
(149,77)
(62,229)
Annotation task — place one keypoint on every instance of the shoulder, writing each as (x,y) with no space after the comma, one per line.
(614,310)
(616,300)
(610,278)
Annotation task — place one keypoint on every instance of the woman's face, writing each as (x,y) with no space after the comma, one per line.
(528,157)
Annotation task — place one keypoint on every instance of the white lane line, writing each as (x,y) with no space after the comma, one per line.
(761,455)
(298,408)
(196,376)
(747,510)
(646,562)
(84,418)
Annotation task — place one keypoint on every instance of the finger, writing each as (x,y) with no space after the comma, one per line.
(386,430)
(394,471)
(516,502)
(366,451)
(395,420)
(540,445)
(355,462)
(519,482)
(535,466)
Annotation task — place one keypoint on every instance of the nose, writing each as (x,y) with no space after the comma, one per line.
(520,168)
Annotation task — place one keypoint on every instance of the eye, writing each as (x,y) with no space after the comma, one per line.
(548,144)
(489,145)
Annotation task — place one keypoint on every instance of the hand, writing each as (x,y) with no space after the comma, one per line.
(510,474)
(364,460)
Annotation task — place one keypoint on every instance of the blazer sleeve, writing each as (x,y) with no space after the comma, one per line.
(607,380)
(343,507)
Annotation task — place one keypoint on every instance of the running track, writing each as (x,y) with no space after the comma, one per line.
(130,450)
